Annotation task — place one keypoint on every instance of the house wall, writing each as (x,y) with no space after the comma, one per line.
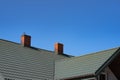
(110,75)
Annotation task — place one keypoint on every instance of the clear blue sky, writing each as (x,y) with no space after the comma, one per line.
(83,26)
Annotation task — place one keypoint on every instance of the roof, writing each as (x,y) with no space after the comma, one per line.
(83,65)
(26,62)
(21,62)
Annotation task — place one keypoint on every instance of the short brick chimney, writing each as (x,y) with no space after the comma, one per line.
(58,48)
(26,40)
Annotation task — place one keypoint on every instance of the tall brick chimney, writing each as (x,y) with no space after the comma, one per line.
(58,48)
(26,40)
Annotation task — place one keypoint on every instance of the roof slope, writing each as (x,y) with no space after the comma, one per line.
(27,63)
(83,65)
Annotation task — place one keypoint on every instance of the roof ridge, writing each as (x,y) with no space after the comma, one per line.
(88,54)
(32,47)
(99,51)
(9,41)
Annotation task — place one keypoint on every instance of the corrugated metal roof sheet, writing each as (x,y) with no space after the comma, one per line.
(83,65)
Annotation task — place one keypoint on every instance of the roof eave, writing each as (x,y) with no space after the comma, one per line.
(79,77)
(116,53)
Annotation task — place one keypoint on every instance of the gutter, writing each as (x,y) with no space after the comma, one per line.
(79,77)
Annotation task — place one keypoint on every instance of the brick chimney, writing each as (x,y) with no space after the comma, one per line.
(58,48)
(26,40)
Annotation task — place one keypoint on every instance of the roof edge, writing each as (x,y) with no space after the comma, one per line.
(74,57)
(9,41)
(81,76)
(116,53)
